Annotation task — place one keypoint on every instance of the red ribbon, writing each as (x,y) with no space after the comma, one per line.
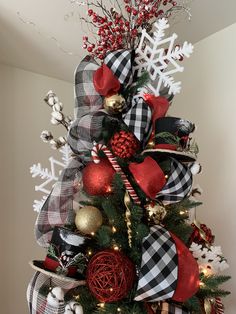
(149,176)
(105,82)
(188,272)
(159,106)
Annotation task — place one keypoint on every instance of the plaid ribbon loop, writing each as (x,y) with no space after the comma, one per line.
(178,185)
(58,208)
(159,269)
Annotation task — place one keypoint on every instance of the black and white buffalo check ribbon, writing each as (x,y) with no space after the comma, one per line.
(139,119)
(159,269)
(120,63)
(178,185)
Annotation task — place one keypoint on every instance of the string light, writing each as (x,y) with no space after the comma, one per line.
(90,252)
(116,247)
(114,229)
(102,305)
(92,233)
(119,309)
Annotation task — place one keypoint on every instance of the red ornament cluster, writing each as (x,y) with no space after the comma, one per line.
(110,275)
(118,32)
(197,238)
(124,144)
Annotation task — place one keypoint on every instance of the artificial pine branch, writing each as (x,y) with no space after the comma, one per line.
(193,304)
(141,82)
(214,281)
(204,293)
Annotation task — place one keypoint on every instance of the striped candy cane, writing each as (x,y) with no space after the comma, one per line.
(116,167)
(219,306)
(94,152)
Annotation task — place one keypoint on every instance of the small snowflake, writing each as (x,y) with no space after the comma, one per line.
(209,258)
(160,62)
(49,176)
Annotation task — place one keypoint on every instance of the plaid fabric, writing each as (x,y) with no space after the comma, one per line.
(120,63)
(58,208)
(37,294)
(168,308)
(138,119)
(178,184)
(88,117)
(159,268)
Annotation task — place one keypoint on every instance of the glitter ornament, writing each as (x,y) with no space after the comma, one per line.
(110,275)
(88,219)
(156,213)
(124,144)
(114,104)
(97,178)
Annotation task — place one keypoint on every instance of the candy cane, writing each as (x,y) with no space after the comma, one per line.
(118,169)
(94,152)
(219,306)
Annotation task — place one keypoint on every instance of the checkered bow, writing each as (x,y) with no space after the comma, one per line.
(138,116)
(178,185)
(159,269)
(89,114)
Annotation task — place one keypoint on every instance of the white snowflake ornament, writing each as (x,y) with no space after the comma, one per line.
(158,56)
(49,176)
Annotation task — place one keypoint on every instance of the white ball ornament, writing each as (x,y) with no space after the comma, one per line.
(73,308)
(195,168)
(55,297)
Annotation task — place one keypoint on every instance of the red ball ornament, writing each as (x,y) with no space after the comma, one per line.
(124,144)
(97,178)
(110,275)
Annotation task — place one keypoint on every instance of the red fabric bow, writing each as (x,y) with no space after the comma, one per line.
(105,82)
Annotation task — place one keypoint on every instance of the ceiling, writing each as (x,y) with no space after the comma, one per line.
(45,36)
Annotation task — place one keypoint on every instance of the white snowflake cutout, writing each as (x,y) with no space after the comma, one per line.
(49,176)
(158,56)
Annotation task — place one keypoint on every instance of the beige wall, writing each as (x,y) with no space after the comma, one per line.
(209,99)
(23,116)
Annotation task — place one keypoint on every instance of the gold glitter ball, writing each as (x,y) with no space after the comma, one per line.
(88,219)
(156,212)
(114,104)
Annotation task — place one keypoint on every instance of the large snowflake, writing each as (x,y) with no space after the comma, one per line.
(49,176)
(159,57)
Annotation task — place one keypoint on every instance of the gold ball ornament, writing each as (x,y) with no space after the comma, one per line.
(88,219)
(114,104)
(156,213)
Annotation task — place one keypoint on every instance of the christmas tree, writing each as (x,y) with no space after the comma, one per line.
(119,224)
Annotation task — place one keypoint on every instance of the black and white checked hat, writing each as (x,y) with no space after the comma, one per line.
(120,63)
(178,185)
(138,119)
(159,269)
